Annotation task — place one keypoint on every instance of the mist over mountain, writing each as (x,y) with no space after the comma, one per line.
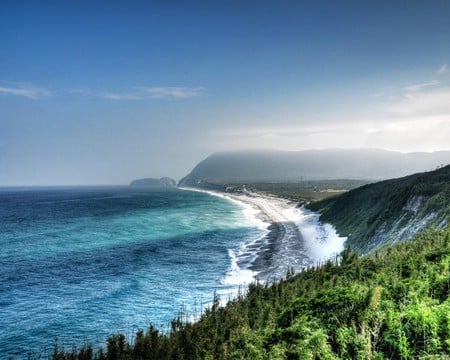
(269,165)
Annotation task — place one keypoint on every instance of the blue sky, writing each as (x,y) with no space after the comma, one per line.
(105,92)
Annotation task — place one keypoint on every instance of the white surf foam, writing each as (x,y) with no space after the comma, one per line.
(251,213)
(239,273)
(321,240)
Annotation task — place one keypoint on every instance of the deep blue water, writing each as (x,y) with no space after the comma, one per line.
(81,263)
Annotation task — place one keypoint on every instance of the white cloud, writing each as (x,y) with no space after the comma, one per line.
(411,118)
(421,86)
(293,137)
(416,119)
(113,96)
(422,102)
(24,90)
(172,92)
(142,93)
(422,133)
(442,70)
(137,93)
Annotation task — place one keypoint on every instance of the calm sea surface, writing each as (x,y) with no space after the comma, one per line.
(83,263)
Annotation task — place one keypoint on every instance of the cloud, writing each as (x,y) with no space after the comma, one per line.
(113,96)
(405,118)
(421,133)
(421,86)
(442,70)
(136,93)
(143,93)
(24,90)
(422,100)
(173,92)
(417,117)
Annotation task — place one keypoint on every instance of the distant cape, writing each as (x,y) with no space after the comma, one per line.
(164,181)
(290,166)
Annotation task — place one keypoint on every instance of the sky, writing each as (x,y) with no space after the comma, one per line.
(104,92)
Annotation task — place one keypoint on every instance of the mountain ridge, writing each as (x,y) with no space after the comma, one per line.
(269,165)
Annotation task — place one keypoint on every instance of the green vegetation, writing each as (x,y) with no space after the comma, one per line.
(303,191)
(388,207)
(391,304)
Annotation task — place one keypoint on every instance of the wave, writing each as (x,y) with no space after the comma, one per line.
(290,239)
(322,241)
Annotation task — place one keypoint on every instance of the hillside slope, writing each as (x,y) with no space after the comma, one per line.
(267,166)
(389,211)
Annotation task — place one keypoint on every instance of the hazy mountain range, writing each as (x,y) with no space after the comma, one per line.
(269,165)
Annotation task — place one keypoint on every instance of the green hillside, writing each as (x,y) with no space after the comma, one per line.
(393,304)
(389,211)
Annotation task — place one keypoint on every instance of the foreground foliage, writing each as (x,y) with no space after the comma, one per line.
(393,304)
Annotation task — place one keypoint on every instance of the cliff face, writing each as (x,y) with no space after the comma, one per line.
(164,181)
(389,211)
(279,166)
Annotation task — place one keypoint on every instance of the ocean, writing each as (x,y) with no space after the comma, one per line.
(82,263)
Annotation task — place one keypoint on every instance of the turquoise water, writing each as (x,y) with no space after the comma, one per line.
(81,264)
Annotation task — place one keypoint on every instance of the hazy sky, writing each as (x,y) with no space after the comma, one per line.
(105,92)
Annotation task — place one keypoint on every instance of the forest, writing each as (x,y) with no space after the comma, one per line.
(391,304)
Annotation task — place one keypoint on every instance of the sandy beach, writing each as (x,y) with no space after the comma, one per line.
(295,238)
(283,249)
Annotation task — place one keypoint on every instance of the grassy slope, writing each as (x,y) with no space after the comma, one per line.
(361,212)
(393,304)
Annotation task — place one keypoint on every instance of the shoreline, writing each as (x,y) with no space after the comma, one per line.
(283,248)
(294,239)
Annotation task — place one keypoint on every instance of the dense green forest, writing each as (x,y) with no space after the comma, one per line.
(383,212)
(391,304)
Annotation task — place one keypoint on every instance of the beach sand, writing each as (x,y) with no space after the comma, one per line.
(295,239)
(283,249)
